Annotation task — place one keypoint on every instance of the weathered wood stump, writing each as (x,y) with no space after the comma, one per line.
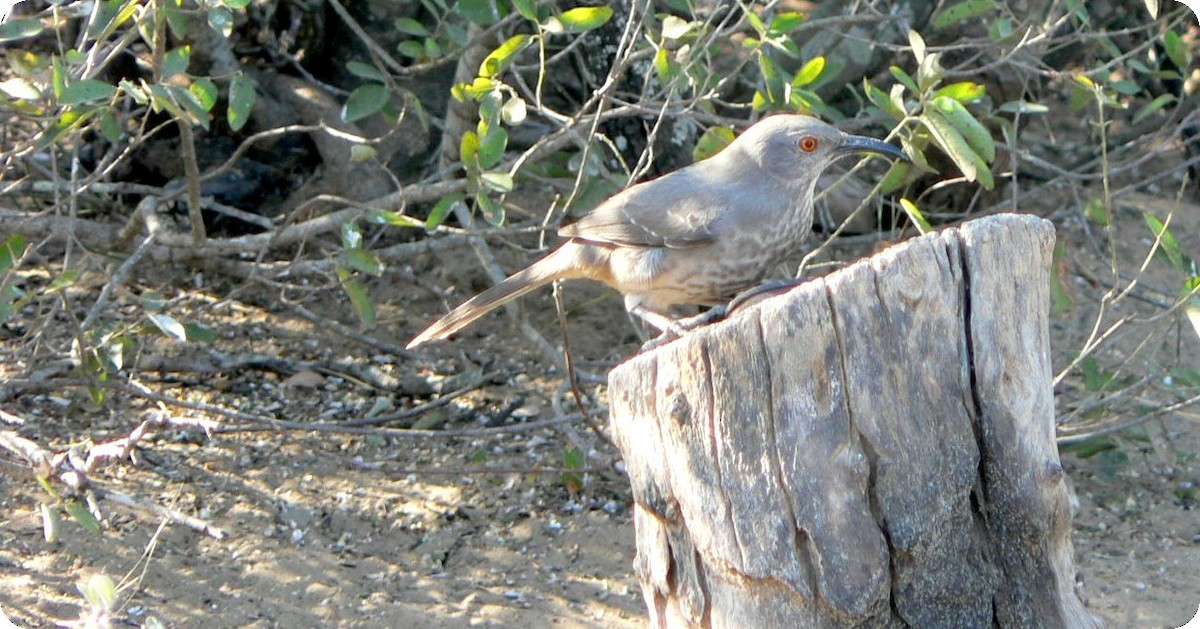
(873,449)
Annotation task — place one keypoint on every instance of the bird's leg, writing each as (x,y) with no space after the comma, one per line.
(760,292)
(669,329)
(655,319)
(742,299)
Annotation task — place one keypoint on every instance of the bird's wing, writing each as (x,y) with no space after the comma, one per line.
(676,211)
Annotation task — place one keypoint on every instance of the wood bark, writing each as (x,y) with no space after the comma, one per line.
(874,448)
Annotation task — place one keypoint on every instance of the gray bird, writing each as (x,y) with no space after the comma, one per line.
(698,235)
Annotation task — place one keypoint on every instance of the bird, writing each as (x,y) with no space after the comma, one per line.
(697,235)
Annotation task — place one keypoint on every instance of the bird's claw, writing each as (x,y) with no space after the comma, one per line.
(679,327)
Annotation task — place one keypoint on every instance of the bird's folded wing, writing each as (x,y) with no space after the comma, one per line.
(678,215)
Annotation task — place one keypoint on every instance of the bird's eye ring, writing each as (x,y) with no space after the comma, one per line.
(808,144)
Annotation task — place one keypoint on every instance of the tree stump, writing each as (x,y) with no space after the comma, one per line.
(873,449)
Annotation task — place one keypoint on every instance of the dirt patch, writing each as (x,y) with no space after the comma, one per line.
(371,530)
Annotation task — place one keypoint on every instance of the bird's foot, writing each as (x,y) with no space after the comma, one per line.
(675,328)
(762,291)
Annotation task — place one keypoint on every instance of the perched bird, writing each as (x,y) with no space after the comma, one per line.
(698,235)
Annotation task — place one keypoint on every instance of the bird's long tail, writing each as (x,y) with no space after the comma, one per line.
(560,264)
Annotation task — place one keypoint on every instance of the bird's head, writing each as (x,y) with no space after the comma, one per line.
(798,148)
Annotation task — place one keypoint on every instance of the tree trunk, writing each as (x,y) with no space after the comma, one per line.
(874,448)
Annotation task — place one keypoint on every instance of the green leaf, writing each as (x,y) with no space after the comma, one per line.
(241,101)
(1096,212)
(905,79)
(917,44)
(1126,87)
(497,181)
(963,92)
(900,174)
(411,48)
(100,592)
(499,59)
(477,89)
(482,12)
(880,99)
(362,152)
(773,85)
(785,23)
(930,72)
(110,127)
(85,91)
(236,4)
(58,76)
(1153,106)
(572,460)
(199,333)
(439,212)
(489,110)
(954,145)
(365,71)
(410,26)
(21,89)
(527,9)
(757,24)
(1023,107)
(364,101)
(63,281)
(468,146)
(676,27)
(359,299)
(1000,30)
(1168,246)
(13,30)
(1177,51)
(916,216)
(809,72)
(11,251)
(66,121)
(713,141)
(101,28)
(972,130)
(205,91)
(492,210)
(364,261)
(168,325)
(492,146)
(84,517)
(220,19)
(193,108)
(176,61)
(176,19)
(1091,447)
(582,19)
(962,11)
(163,99)
(388,217)
(51,523)
(432,49)
(663,66)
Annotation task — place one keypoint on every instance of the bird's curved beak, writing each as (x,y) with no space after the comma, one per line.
(863,144)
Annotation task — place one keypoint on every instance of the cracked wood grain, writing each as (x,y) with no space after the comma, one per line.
(874,448)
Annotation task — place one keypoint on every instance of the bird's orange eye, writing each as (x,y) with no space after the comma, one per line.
(809,144)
